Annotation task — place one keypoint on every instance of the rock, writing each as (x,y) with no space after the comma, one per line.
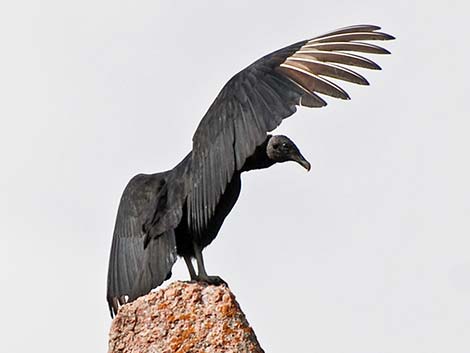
(185,317)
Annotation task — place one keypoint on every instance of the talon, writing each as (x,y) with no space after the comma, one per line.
(212,280)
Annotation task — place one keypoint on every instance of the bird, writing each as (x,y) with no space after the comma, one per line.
(178,212)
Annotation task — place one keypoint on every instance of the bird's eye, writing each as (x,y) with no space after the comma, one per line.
(284,145)
(275,146)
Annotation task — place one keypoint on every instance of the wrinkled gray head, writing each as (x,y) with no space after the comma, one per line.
(281,149)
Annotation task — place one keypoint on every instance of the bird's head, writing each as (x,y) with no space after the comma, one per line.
(281,149)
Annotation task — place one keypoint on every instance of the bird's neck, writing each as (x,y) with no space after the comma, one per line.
(259,159)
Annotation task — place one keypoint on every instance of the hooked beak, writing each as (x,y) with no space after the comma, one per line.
(302,161)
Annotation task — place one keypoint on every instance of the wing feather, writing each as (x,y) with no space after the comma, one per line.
(337,57)
(351,29)
(312,82)
(326,69)
(348,46)
(352,36)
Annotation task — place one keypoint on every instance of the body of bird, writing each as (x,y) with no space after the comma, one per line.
(179,212)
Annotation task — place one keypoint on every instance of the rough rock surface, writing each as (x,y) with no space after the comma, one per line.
(186,317)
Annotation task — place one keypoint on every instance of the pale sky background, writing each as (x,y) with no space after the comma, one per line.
(369,252)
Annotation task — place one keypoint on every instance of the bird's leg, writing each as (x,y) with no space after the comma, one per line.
(202,274)
(189,264)
(200,262)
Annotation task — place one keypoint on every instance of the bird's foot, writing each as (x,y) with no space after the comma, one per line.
(213,280)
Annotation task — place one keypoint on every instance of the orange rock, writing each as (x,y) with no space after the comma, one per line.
(186,317)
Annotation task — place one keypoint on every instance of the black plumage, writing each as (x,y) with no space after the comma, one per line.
(180,211)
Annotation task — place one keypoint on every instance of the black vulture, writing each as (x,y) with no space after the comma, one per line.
(180,211)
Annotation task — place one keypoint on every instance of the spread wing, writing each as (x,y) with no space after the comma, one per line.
(256,100)
(134,269)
